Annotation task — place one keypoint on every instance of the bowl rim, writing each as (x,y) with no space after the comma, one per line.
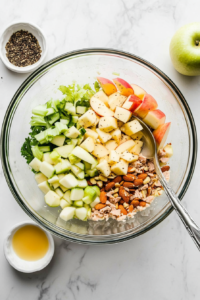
(30,68)
(77,238)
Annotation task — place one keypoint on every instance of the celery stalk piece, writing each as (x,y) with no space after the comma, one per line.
(38,121)
(40,110)
(36,152)
(45,148)
(53,118)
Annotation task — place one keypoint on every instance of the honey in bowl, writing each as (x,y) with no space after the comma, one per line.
(30,243)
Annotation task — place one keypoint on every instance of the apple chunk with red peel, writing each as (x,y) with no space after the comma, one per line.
(160,134)
(148,104)
(124,87)
(155,118)
(107,85)
(100,108)
(132,103)
(138,91)
(115,100)
(103,97)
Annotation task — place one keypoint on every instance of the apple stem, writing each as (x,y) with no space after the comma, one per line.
(197,42)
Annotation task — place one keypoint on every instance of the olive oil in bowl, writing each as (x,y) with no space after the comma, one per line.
(30,243)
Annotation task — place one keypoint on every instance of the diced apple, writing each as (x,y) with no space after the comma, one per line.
(132,103)
(138,91)
(59,192)
(125,146)
(169,150)
(46,157)
(62,166)
(81,110)
(58,140)
(39,177)
(69,181)
(102,97)
(84,155)
(67,213)
(44,187)
(148,104)
(91,133)
(100,108)
(53,179)
(129,157)
(115,100)
(72,132)
(124,87)
(116,135)
(137,136)
(124,139)
(35,164)
(81,213)
(103,158)
(155,118)
(47,169)
(88,119)
(95,202)
(114,157)
(160,134)
(122,114)
(104,168)
(132,127)
(107,124)
(97,120)
(88,144)
(100,151)
(64,203)
(137,148)
(107,85)
(103,136)
(111,145)
(64,151)
(52,199)
(120,168)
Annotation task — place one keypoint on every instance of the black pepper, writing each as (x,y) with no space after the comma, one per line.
(23,49)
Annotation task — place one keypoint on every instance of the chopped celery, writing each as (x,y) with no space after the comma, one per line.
(81,109)
(45,148)
(50,111)
(61,127)
(53,118)
(55,156)
(36,152)
(82,131)
(38,121)
(74,119)
(40,110)
(64,121)
(70,108)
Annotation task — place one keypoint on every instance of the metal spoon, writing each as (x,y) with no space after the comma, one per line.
(150,151)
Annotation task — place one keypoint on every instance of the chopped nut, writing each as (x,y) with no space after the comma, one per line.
(100,183)
(121,183)
(117,184)
(117,206)
(102,178)
(126,205)
(96,178)
(93,181)
(146,168)
(144,193)
(116,195)
(116,190)
(146,180)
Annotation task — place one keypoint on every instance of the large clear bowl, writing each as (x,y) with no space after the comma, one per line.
(83,66)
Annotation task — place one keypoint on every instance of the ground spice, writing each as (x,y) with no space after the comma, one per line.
(23,49)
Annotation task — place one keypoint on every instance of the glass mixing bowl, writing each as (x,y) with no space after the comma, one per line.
(83,66)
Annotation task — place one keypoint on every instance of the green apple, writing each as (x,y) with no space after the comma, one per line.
(185,49)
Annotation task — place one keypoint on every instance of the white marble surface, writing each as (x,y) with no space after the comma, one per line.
(162,264)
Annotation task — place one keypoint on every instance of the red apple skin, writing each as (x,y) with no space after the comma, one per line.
(138,91)
(124,87)
(136,102)
(107,85)
(155,118)
(148,104)
(160,134)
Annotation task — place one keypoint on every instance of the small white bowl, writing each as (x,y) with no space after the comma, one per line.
(22,265)
(30,27)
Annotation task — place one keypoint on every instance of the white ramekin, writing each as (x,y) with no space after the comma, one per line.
(22,265)
(5,36)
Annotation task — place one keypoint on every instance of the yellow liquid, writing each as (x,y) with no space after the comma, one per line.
(30,243)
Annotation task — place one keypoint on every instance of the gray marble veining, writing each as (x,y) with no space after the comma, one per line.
(162,264)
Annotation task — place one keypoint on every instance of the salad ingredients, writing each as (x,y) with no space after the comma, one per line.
(86,150)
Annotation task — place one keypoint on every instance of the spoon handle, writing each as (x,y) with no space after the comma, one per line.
(190,225)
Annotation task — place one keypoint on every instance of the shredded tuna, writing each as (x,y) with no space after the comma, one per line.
(115,212)
(144,187)
(137,194)
(157,183)
(149,199)
(110,194)
(167,175)
(137,164)
(142,159)
(161,153)
(164,160)
(110,204)
(122,218)
(105,209)
(151,174)
(151,166)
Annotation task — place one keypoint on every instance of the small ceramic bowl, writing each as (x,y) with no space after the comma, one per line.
(30,27)
(22,265)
